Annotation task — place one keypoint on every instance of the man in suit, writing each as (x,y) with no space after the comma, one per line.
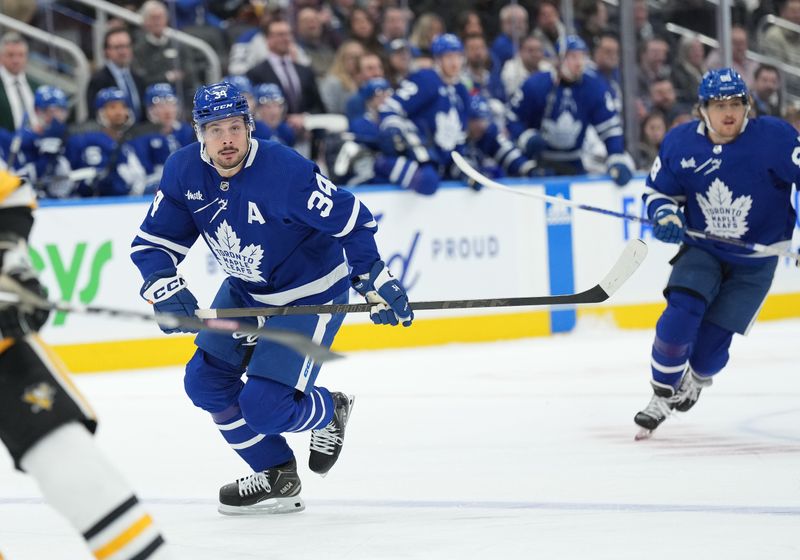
(296,81)
(16,89)
(117,72)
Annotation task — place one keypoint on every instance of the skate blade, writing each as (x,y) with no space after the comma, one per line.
(273,506)
(644,433)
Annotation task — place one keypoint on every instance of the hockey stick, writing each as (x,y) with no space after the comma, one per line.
(12,292)
(626,265)
(476,176)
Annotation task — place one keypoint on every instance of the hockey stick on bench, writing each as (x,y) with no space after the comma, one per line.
(626,265)
(12,292)
(478,177)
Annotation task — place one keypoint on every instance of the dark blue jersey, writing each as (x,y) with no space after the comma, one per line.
(740,190)
(278,228)
(119,170)
(562,112)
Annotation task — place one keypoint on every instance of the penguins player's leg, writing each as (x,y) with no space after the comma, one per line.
(47,426)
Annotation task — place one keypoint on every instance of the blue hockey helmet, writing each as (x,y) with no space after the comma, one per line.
(446,43)
(479,108)
(49,96)
(724,83)
(372,86)
(158,93)
(242,82)
(268,93)
(109,94)
(570,43)
(219,101)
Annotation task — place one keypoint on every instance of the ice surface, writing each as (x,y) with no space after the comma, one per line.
(510,450)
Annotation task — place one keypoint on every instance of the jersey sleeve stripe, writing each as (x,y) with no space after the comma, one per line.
(612,122)
(171,255)
(610,133)
(164,243)
(351,222)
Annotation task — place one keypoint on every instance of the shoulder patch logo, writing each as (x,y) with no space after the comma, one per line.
(237,262)
(724,215)
(688,163)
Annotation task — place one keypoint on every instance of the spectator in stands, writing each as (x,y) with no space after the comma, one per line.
(368,67)
(549,29)
(766,92)
(784,44)
(16,88)
(689,69)
(647,26)
(271,113)
(652,131)
(528,60)
(398,61)
(513,27)
(310,41)
(107,149)
(476,72)
(591,20)
(664,100)
(117,72)
(605,62)
(158,59)
(653,64)
(340,82)
(793,117)
(362,29)
(297,82)
(742,64)
(394,25)
(423,31)
(469,23)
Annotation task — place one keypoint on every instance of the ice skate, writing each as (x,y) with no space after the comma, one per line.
(689,390)
(657,410)
(275,490)
(327,442)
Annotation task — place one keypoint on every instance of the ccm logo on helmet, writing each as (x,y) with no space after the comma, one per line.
(221,107)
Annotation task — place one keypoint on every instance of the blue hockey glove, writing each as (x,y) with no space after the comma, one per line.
(531,143)
(620,173)
(391,141)
(166,290)
(620,168)
(669,225)
(390,301)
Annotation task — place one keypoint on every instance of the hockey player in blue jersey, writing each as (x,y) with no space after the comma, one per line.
(731,176)
(495,155)
(426,119)
(280,230)
(164,134)
(270,113)
(107,149)
(550,113)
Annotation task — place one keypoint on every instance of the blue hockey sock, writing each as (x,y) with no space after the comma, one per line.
(260,451)
(315,410)
(676,331)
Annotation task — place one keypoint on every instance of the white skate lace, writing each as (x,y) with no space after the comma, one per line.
(253,483)
(658,407)
(690,391)
(325,440)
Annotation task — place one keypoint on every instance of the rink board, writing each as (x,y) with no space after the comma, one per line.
(457,244)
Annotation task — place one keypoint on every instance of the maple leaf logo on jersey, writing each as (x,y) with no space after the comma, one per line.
(237,262)
(449,132)
(724,215)
(562,134)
